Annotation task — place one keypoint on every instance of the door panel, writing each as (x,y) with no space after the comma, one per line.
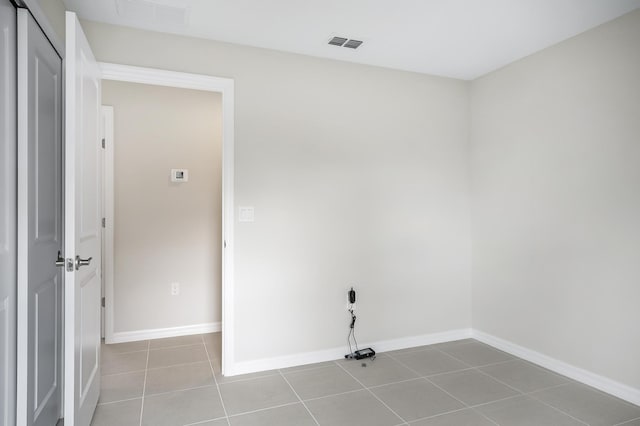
(83,236)
(8,185)
(39,226)
(46,323)
(47,196)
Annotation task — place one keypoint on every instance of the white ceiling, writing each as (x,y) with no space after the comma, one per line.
(454,38)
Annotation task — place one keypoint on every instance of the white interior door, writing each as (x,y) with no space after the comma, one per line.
(40,229)
(83,211)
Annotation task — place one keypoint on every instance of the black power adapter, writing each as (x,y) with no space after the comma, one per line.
(352,296)
(362,354)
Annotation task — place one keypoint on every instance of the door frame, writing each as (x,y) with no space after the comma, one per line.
(224,86)
(45,24)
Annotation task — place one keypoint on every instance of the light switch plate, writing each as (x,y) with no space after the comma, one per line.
(245,214)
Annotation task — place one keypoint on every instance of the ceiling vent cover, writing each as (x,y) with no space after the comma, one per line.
(337,41)
(352,44)
(345,42)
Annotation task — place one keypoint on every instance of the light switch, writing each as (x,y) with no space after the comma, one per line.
(179,175)
(245,214)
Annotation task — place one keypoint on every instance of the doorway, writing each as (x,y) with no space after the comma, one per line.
(162,185)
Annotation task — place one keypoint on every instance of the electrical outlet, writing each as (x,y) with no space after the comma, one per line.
(175,289)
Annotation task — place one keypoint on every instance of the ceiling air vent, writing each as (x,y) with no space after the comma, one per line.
(352,44)
(337,41)
(345,42)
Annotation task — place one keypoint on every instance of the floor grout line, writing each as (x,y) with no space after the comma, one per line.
(120,374)
(204,361)
(525,394)
(315,398)
(328,364)
(261,376)
(443,414)
(531,395)
(452,396)
(258,410)
(152,395)
(455,358)
(477,368)
(394,383)
(435,374)
(627,422)
(224,409)
(298,370)
(546,388)
(429,347)
(500,381)
(300,399)
(373,394)
(120,400)
(144,386)
(205,421)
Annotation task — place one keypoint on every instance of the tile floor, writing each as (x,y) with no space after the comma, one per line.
(177,381)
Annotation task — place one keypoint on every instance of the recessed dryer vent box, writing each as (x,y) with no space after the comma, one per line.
(179,175)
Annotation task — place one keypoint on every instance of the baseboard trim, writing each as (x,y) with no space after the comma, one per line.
(158,333)
(599,382)
(244,367)
(604,384)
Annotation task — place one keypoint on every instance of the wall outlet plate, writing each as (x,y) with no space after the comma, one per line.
(175,289)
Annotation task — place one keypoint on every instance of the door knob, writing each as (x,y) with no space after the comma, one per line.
(82,262)
(60,260)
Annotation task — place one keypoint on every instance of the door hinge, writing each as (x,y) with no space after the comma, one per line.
(103,303)
(104,222)
(103,143)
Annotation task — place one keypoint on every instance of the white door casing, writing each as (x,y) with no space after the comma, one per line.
(8,186)
(83,211)
(108,212)
(40,228)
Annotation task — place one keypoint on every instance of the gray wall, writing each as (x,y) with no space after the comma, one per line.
(556,201)
(555,206)
(358,176)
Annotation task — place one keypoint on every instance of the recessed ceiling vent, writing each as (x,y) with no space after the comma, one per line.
(337,41)
(352,44)
(345,42)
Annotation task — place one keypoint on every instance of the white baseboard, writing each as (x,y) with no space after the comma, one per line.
(158,333)
(244,367)
(604,384)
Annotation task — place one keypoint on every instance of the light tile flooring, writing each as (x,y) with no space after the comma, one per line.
(177,381)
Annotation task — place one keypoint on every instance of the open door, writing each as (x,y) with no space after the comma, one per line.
(83,211)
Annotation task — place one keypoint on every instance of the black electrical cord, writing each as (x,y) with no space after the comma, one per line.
(352,331)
